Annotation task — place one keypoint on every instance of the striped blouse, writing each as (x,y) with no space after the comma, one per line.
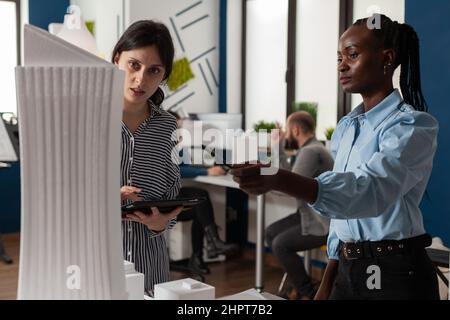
(146,163)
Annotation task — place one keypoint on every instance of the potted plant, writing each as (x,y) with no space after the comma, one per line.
(263,125)
(264,128)
(328,134)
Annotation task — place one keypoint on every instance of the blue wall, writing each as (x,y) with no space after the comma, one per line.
(431,21)
(10,199)
(44,12)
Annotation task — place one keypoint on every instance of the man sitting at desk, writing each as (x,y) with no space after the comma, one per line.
(304,229)
(202,216)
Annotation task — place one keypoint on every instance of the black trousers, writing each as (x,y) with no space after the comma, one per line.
(285,238)
(409,276)
(201,215)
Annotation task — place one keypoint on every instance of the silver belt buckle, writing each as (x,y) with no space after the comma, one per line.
(348,251)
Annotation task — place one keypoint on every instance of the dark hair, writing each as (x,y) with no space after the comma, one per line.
(146,33)
(304,120)
(403,39)
(174,114)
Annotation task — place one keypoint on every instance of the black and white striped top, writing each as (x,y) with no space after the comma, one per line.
(146,164)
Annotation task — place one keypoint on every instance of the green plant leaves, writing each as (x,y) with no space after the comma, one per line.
(181,74)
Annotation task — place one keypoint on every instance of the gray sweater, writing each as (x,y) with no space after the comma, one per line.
(311,160)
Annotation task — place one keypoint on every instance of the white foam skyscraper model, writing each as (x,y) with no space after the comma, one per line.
(70,107)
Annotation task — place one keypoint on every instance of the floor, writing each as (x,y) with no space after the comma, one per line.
(9,272)
(232,276)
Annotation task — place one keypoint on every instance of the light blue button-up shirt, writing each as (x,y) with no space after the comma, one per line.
(383,161)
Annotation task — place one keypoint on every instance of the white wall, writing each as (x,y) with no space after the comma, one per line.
(266,61)
(108,17)
(196,40)
(112,17)
(8,56)
(316,70)
(393,9)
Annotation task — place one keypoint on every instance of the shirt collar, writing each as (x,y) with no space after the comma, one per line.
(154,111)
(380,112)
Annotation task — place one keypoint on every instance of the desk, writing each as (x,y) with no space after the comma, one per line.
(227,181)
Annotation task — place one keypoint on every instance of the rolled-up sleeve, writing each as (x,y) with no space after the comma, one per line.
(333,243)
(406,149)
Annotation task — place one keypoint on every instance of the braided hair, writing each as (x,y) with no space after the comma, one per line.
(403,39)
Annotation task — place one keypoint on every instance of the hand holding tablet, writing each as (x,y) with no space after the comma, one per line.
(164,206)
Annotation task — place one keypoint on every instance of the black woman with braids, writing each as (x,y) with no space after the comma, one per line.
(383,154)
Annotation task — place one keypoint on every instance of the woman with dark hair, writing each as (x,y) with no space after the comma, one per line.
(145,52)
(383,154)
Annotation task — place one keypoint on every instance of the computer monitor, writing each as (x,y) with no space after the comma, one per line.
(221,121)
(9,138)
(219,125)
(210,147)
(206,157)
(225,144)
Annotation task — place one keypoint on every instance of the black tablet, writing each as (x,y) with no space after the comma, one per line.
(164,206)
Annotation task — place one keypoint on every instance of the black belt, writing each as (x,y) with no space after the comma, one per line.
(372,249)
